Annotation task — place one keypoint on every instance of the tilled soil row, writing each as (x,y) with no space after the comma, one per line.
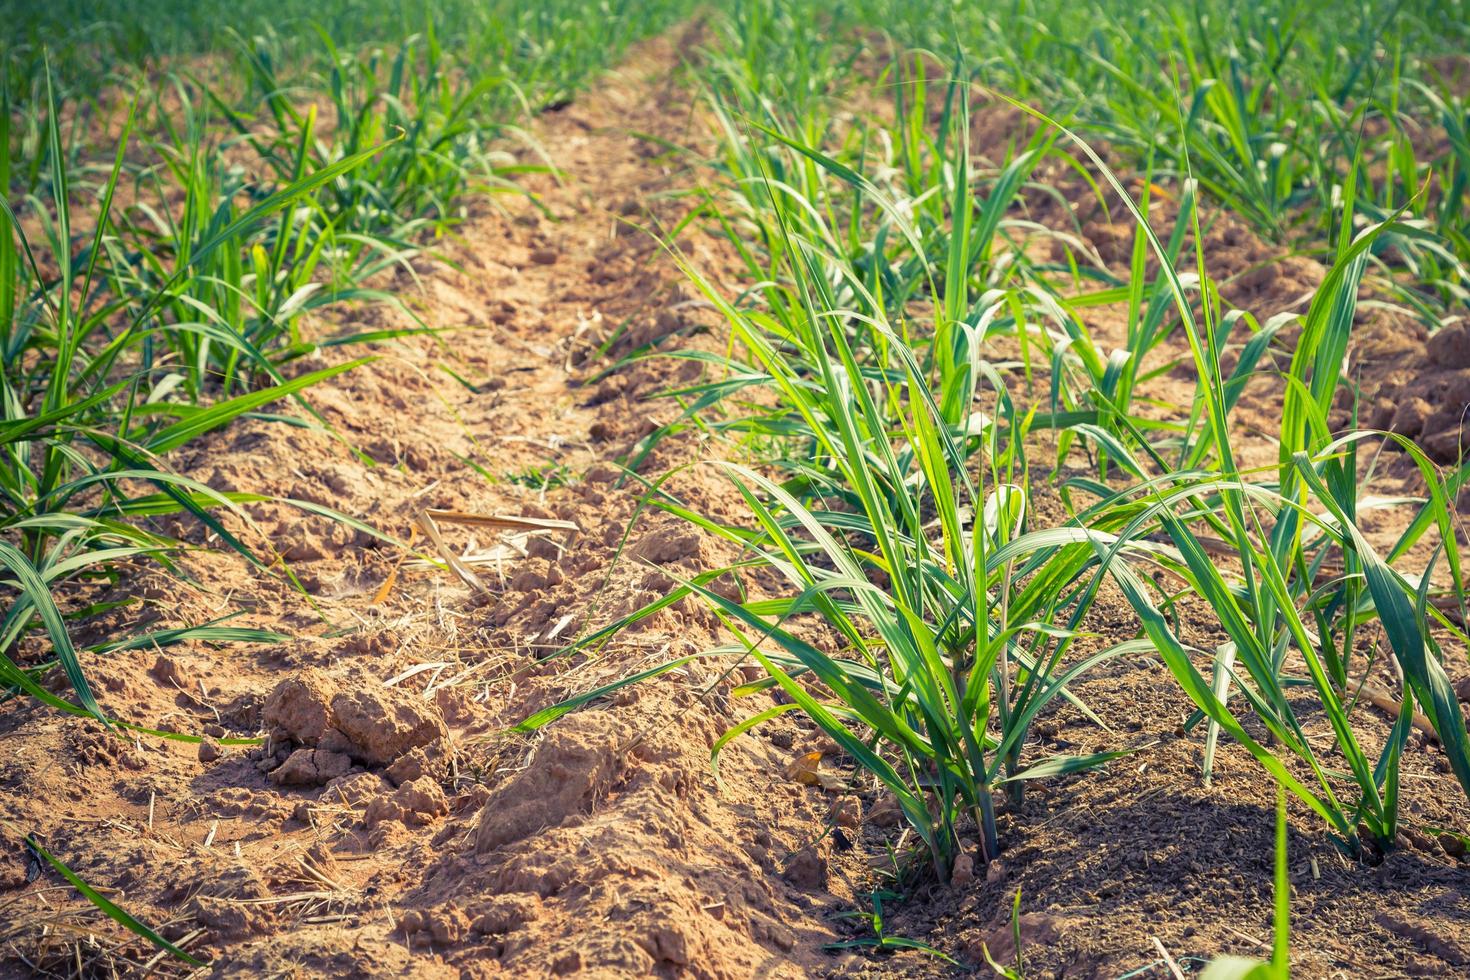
(387,825)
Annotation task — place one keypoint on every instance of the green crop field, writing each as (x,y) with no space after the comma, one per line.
(842,479)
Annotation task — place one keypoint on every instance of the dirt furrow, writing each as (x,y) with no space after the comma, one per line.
(385,826)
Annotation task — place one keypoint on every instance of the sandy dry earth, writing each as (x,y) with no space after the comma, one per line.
(386,828)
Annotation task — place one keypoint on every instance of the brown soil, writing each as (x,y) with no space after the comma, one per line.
(385,827)
(1422,386)
(389,826)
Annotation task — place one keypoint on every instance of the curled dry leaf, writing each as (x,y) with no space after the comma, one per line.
(805,769)
(429,519)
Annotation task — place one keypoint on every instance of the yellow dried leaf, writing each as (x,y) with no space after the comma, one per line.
(803,769)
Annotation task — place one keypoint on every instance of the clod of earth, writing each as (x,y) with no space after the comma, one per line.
(1449,347)
(1038,929)
(311,767)
(373,727)
(419,801)
(576,762)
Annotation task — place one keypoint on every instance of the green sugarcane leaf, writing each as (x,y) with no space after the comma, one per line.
(108,908)
(33,589)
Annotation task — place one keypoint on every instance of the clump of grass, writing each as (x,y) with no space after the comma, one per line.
(1269,109)
(1280,538)
(898,511)
(84,424)
(943,602)
(902,516)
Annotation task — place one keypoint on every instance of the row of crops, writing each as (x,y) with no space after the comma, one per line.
(915,359)
(186,186)
(893,272)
